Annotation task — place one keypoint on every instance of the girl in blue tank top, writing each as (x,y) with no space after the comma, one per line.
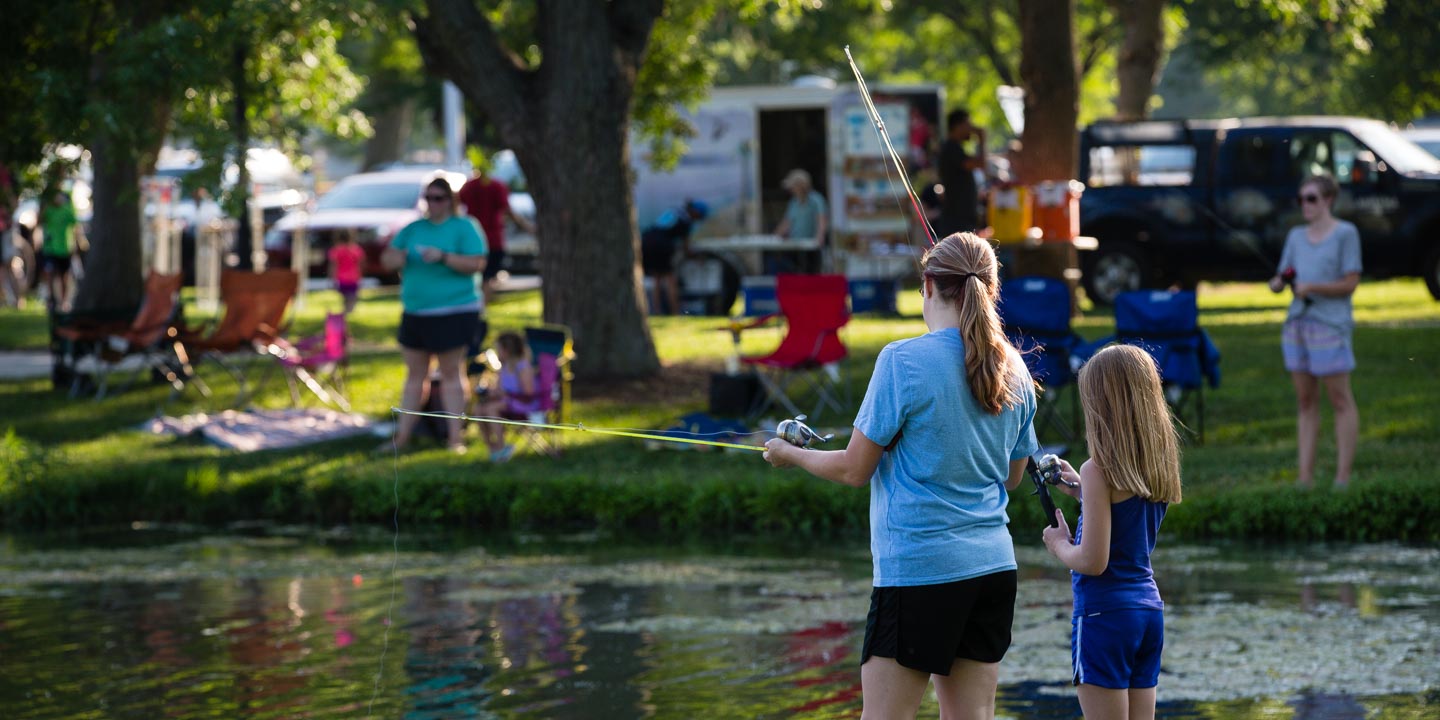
(1133,474)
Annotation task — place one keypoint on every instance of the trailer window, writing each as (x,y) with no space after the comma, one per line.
(1152,165)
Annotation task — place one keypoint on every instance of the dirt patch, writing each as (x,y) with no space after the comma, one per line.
(678,383)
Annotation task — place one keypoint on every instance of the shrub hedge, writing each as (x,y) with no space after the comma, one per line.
(788,504)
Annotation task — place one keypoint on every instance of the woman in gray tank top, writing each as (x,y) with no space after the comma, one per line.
(1321,265)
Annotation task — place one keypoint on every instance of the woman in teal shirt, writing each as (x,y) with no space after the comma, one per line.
(440,256)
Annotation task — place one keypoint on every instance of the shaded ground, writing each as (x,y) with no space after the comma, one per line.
(678,383)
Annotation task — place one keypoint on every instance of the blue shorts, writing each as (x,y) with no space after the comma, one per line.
(1316,348)
(1118,649)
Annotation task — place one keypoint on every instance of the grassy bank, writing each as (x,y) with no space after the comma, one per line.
(78,462)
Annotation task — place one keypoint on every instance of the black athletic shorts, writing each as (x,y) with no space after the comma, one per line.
(55,264)
(493,262)
(658,252)
(926,627)
(438,333)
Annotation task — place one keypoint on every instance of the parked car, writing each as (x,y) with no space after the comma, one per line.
(275,184)
(1183,201)
(371,206)
(1426,137)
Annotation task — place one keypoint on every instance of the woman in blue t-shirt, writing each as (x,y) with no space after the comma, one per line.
(942,436)
(440,255)
(1117,629)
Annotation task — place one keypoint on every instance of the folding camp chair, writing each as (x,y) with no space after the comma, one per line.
(319,363)
(1166,324)
(814,309)
(1036,313)
(552,350)
(106,345)
(255,305)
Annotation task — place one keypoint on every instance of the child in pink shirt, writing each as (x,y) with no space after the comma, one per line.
(345,260)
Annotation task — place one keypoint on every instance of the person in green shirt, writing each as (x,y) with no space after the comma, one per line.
(440,255)
(58,225)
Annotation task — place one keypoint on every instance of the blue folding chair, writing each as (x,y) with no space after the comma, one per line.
(1036,313)
(1166,324)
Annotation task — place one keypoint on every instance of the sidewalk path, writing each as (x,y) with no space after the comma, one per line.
(24,364)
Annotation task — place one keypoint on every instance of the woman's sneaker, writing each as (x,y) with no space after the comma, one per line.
(503,454)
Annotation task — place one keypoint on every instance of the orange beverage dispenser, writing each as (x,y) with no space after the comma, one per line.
(1057,210)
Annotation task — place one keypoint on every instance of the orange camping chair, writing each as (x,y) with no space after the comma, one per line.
(145,336)
(255,305)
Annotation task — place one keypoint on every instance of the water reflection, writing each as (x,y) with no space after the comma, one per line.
(283,627)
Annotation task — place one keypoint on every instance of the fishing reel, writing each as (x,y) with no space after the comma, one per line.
(797,433)
(1043,474)
(1288,277)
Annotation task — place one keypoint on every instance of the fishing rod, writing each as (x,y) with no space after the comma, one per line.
(792,430)
(884,137)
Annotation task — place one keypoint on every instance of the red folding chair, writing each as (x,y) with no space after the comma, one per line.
(814,309)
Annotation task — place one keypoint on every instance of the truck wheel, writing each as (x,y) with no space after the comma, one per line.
(1431,268)
(1115,268)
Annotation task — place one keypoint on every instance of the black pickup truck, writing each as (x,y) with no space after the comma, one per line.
(1183,201)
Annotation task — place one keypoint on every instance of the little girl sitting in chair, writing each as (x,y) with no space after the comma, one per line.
(514,398)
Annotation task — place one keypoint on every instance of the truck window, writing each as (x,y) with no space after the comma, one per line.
(1152,165)
(1311,154)
(1354,163)
(1251,160)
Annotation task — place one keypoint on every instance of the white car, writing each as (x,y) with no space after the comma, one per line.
(371,206)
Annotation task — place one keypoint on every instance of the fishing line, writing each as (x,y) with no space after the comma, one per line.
(394,563)
(617,432)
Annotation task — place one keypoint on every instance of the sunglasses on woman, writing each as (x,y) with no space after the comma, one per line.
(437,198)
(1309,198)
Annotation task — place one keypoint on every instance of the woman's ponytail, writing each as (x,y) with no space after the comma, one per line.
(964,272)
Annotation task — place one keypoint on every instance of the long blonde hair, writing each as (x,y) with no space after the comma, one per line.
(1127,424)
(965,274)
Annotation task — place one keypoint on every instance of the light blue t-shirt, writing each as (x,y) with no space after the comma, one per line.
(1331,259)
(804,215)
(428,287)
(937,498)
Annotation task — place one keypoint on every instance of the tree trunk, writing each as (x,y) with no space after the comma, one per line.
(112,266)
(392,130)
(113,273)
(1052,109)
(1138,66)
(592,283)
(568,122)
(1052,89)
(244,245)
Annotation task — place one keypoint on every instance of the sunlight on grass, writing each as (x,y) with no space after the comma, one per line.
(1249,417)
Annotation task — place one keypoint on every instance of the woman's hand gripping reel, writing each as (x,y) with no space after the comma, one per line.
(1043,474)
(797,433)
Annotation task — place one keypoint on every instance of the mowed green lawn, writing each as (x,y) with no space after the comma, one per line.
(1249,418)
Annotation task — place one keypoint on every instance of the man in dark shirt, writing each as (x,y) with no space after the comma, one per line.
(663,246)
(961,209)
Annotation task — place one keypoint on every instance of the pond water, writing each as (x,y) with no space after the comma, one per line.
(291,622)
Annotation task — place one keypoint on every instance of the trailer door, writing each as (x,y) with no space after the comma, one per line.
(790,139)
